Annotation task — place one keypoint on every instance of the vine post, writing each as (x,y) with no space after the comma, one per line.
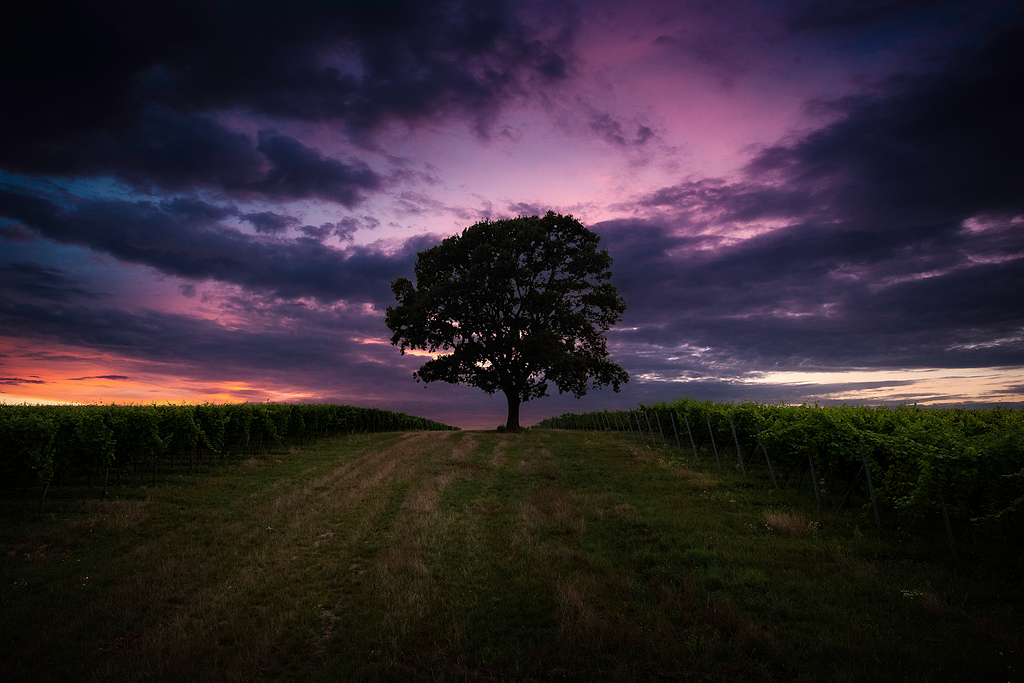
(689,431)
(949,528)
(766,459)
(739,453)
(814,481)
(871,490)
(675,431)
(664,441)
(711,433)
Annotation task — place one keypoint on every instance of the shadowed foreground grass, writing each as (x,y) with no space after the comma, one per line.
(485,557)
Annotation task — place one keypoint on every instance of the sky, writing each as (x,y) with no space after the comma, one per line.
(805,201)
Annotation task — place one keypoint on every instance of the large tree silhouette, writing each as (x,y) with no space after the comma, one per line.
(518,303)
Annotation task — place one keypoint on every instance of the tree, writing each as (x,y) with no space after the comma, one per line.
(519,303)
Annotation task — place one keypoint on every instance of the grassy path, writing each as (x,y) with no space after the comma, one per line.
(481,556)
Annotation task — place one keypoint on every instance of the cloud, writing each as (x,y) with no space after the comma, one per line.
(38,281)
(612,130)
(709,51)
(299,172)
(269,222)
(14,232)
(110,377)
(844,14)
(19,381)
(321,348)
(182,153)
(526,209)
(175,152)
(185,237)
(806,297)
(890,238)
(344,229)
(91,86)
(934,149)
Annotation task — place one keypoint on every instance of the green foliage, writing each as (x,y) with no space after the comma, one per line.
(974,458)
(518,303)
(27,439)
(40,442)
(95,442)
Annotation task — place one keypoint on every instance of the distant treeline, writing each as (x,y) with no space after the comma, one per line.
(969,462)
(40,443)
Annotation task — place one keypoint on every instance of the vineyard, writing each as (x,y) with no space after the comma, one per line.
(41,444)
(565,554)
(963,466)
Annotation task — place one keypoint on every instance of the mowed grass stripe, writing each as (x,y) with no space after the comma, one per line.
(218,573)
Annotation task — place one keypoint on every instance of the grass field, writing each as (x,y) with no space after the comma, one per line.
(481,556)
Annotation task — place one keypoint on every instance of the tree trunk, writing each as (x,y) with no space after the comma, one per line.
(512,423)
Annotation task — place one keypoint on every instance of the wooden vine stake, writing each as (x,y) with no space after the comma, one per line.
(738,452)
(47,488)
(711,433)
(871,488)
(949,529)
(640,431)
(664,441)
(675,431)
(690,433)
(765,451)
(650,428)
(814,481)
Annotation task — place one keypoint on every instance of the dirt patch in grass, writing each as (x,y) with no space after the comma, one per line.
(787,523)
(111,514)
(698,480)
(499,455)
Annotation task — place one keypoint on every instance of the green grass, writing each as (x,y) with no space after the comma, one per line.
(482,556)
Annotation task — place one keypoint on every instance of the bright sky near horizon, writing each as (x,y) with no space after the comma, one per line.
(804,200)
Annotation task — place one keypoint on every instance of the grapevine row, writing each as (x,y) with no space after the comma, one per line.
(40,443)
(969,461)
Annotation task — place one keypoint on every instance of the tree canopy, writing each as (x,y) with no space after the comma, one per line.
(518,303)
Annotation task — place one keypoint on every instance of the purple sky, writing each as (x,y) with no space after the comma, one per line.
(804,201)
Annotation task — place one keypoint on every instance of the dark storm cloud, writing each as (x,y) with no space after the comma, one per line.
(299,172)
(846,14)
(812,298)
(173,151)
(14,232)
(184,237)
(934,149)
(268,221)
(181,153)
(88,86)
(819,15)
(35,280)
(902,243)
